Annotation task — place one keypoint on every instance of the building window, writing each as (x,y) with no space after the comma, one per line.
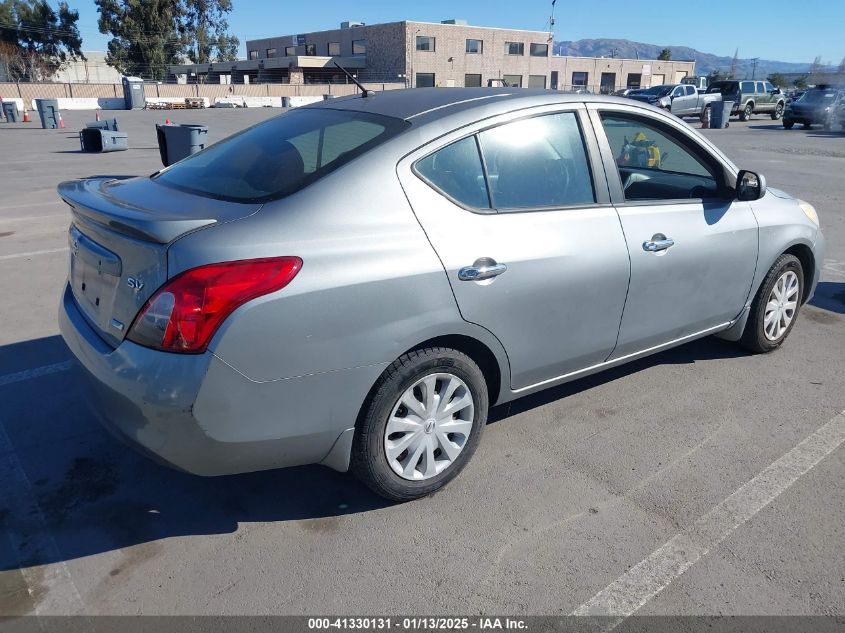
(634,80)
(425,43)
(271,52)
(475,47)
(334,49)
(514,48)
(359,47)
(311,50)
(537,81)
(425,80)
(514,81)
(253,54)
(290,51)
(539,50)
(579,79)
(472,81)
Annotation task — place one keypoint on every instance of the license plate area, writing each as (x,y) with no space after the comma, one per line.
(94,276)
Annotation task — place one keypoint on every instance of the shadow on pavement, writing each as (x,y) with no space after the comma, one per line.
(830,295)
(97,495)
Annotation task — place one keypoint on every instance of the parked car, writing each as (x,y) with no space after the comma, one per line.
(751,97)
(355,283)
(815,107)
(679,99)
(839,115)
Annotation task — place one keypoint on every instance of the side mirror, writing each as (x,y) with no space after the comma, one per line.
(750,186)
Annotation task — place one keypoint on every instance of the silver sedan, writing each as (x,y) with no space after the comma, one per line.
(355,283)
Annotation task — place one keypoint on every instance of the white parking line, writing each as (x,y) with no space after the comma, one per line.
(50,585)
(33,253)
(44,370)
(633,589)
(48,203)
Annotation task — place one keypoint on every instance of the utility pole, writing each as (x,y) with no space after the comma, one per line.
(733,64)
(754,67)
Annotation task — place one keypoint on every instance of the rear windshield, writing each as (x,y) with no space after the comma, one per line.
(814,96)
(660,91)
(723,87)
(278,157)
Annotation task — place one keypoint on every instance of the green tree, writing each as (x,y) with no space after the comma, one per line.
(800,82)
(150,35)
(715,75)
(665,55)
(206,30)
(777,79)
(36,40)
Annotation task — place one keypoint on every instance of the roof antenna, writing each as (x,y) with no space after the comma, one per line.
(364,92)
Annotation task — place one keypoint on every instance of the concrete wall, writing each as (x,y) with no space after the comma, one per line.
(93,69)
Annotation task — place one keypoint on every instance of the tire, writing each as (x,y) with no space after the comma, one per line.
(778,113)
(745,115)
(788,125)
(370,460)
(759,338)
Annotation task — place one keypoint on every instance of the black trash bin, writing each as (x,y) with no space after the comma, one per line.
(720,114)
(105,124)
(176,142)
(10,111)
(48,112)
(133,93)
(94,139)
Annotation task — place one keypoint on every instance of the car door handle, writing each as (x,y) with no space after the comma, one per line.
(481,272)
(658,242)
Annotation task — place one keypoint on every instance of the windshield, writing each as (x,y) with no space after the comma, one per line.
(660,91)
(815,96)
(281,156)
(723,87)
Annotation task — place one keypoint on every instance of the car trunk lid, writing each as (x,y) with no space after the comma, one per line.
(118,238)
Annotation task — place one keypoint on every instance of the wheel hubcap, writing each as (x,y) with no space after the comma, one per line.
(781,306)
(429,426)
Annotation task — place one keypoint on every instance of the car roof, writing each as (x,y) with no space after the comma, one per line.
(424,105)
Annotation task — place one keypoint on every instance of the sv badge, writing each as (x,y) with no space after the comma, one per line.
(135,284)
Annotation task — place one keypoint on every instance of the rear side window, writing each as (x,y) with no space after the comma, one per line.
(456,170)
(690,90)
(281,156)
(537,162)
(747,87)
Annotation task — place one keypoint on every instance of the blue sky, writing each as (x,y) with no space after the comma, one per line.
(774,29)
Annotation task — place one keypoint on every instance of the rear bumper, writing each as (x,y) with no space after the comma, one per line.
(197,414)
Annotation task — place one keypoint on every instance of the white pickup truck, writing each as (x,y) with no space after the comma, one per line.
(679,99)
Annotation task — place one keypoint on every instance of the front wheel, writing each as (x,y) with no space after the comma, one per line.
(775,306)
(778,113)
(422,424)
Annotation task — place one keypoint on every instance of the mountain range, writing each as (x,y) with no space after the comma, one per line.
(704,62)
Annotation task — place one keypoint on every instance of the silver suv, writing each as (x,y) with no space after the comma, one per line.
(751,97)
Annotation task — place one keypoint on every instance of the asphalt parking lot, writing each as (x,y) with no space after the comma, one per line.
(569,491)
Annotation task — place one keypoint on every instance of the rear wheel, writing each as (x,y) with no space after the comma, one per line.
(775,306)
(778,113)
(745,115)
(422,424)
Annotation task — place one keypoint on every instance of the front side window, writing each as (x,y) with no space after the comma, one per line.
(538,162)
(539,50)
(280,156)
(475,47)
(769,87)
(334,49)
(514,81)
(514,48)
(456,170)
(271,52)
(359,47)
(425,43)
(678,92)
(655,165)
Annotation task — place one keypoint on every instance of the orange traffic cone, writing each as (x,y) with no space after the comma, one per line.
(61,122)
(26,118)
(167,121)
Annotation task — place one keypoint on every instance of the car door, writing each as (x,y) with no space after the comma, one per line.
(693,247)
(529,241)
(680,102)
(763,98)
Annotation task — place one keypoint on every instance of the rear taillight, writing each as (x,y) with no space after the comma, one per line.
(183,315)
